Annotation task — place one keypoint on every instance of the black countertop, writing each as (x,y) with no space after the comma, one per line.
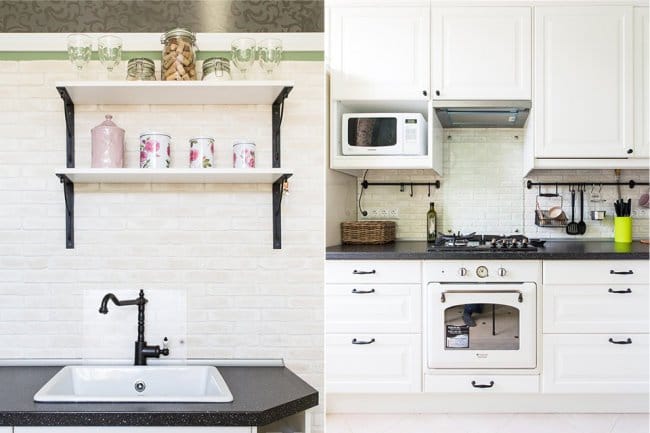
(552,250)
(262,395)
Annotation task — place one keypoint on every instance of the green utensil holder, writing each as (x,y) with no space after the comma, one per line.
(623,229)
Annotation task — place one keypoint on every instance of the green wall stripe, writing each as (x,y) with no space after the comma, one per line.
(306,56)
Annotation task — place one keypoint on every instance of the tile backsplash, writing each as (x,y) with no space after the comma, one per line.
(482,190)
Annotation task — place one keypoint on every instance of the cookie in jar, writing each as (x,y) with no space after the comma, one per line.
(178,56)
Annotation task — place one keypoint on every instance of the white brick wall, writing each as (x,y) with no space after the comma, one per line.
(206,246)
(482,190)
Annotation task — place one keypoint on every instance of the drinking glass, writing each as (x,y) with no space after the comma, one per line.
(80,47)
(243,54)
(270,51)
(110,51)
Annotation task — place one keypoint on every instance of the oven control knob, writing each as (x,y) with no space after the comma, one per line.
(502,272)
(481,272)
(462,272)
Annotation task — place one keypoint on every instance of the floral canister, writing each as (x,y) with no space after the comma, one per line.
(243,154)
(201,152)
(155,150)
(107,145)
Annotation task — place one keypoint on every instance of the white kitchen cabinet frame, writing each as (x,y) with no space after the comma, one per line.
(583,85)
(481,53)
(379,53)
(641,86)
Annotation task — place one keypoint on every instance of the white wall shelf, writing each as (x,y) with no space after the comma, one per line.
(235,92)
(173,175)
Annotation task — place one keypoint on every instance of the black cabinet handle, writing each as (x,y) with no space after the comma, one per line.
(613,272)
(482,386)
(437,92)
(630,151)
(620,291)
(360,342)
(424,93)
(628,341)
(363,292)
(355,272)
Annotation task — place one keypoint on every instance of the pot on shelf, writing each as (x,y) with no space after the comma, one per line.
(107,145)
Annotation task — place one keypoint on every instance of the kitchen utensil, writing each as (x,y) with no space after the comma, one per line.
(201,152)
(572,228)
(79,50)
(243,54)
(555,212)
(107,145)
(109,48)
(270,54)
(623,229)
(597,215)
(243,154)
(155,150)
(582,226)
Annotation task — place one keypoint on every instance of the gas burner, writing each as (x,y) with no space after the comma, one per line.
(478,242)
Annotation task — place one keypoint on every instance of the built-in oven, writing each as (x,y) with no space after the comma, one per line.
(481,316)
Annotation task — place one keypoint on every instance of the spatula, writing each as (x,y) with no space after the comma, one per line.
(582,226)
(572,227)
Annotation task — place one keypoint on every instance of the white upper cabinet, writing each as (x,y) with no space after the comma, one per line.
(379,52)
(583,95)
(481,52)
(641,88)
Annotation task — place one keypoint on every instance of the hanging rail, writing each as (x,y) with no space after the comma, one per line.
(631,183)
(365,184)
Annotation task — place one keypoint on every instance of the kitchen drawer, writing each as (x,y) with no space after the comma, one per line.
(373,308)
(595,308)
(373,271)
(596,272)
(483,383)
(391,363)
(590,363)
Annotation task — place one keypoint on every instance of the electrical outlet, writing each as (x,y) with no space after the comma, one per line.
(381,213)
(393,213)
(641,213)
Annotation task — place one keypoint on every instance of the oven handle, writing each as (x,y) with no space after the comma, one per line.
(520,298)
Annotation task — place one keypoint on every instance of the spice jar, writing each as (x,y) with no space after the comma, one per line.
(243,154)
(216,69)
(107,145)
(178,55)
(155,150)
(140,69)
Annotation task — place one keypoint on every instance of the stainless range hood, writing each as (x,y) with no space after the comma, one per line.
(482,114)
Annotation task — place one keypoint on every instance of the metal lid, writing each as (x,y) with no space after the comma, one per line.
(215,63)
(154,133)
(139,66)
(178,32)
(202,138)
(143,61)
(108,123)
(243,141)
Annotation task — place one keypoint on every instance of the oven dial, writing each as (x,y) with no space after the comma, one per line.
(502,272)
(462,272)
(481,272)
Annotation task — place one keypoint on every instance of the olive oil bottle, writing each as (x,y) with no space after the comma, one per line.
(432,223)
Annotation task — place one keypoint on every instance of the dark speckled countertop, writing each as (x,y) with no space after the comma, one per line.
(552,250)
(262,395)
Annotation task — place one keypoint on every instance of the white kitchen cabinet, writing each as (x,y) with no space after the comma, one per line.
(641,87)
(592,363)
(481,52)
(379,52)
(481,383)
(133,429)
(371,362)
(583,82)
(373,271)
(595,272)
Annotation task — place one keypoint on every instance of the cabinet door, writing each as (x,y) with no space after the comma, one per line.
(373,363)
(583,82)
(481,52)
(379,52)
(590,363)
(641,88)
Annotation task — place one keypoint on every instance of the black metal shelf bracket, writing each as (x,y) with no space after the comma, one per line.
(278,192)
(365,184)
(277,113)
(68,110)
(68,194)
(631,183)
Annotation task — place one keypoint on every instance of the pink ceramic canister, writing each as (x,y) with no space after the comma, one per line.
(201,152)
(243,154)
(107,145)
(155,150)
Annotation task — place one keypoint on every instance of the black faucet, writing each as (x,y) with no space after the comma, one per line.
(142,351)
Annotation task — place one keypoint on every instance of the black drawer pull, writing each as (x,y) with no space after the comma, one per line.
(482,386)
(355,341)
(620,291)
(628,341)
(363,292)
(355,272)
(613,272)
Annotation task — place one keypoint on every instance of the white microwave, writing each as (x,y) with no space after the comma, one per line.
(384,134)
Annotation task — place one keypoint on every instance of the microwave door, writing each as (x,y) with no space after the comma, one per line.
(372,136)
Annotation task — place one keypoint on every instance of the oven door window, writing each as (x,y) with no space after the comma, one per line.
(481,327)
(372,131)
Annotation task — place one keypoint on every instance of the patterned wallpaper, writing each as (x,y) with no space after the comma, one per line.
(152,16)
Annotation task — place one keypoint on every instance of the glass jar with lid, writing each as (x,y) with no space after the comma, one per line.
(178,55)
(216,69)
(141,69)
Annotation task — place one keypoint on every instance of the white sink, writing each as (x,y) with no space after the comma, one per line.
(154,383)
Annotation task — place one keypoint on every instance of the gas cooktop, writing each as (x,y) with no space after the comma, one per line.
(479,242)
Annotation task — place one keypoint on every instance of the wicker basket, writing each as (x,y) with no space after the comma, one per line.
(368,232)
